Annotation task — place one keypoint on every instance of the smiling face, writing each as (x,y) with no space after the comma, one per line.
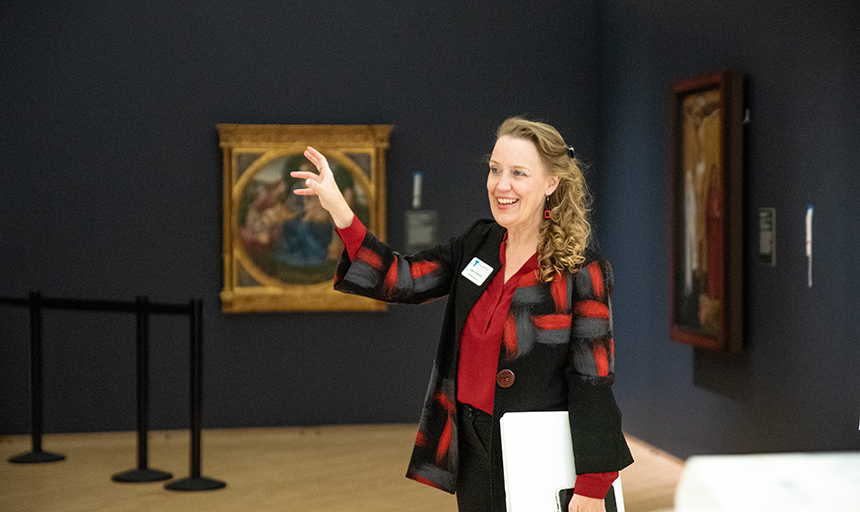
(518,185)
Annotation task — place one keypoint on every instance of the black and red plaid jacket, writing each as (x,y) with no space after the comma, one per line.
(557,340)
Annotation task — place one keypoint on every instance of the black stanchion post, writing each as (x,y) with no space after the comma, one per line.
(196,482)
(37,455)
(143,473)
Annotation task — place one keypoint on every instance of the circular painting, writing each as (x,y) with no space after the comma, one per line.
(287,237)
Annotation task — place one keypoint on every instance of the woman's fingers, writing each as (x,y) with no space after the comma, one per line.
(324,186)
(312,180)
(317,159)
(305,175)
(304,192)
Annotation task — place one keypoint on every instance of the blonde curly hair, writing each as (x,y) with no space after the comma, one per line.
(566,234)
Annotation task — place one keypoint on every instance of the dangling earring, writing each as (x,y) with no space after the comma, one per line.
(547,214)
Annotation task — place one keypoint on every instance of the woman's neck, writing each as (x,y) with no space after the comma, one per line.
(519,248)
(523,242)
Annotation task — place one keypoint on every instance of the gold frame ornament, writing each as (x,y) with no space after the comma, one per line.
(280,249)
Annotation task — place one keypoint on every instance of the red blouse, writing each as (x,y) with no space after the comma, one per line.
(482,337)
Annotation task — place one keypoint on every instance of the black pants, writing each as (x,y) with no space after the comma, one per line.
(475,478)
(480,485)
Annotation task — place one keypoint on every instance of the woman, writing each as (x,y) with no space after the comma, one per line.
(527,325)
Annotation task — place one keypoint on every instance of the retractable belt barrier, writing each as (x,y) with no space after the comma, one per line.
(142,309)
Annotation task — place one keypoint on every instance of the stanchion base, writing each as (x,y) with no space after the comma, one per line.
(39,457)
(141,475)
(195,484)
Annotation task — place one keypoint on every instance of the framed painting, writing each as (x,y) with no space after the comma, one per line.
(706,174)
(280,249)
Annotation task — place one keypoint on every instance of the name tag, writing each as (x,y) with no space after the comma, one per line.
(477,271)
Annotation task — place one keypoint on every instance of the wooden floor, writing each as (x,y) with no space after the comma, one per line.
(334,468)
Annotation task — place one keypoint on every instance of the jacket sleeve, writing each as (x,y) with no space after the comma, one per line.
(595,420)
(380,273)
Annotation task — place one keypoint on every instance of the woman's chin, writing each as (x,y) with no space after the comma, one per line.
(503,220)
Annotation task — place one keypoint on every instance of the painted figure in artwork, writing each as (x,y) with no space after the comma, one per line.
(703,216)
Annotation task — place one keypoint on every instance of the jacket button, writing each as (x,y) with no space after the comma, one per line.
(505,378)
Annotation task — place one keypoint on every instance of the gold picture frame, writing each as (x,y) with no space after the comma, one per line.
(280,249)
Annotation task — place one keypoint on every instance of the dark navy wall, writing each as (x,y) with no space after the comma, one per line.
(797,385)
(110,184)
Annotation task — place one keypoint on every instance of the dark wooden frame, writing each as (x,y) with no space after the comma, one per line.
(706,177)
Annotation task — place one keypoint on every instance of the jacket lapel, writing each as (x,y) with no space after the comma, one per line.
(468,293)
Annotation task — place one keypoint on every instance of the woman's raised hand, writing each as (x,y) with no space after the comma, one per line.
(324,186)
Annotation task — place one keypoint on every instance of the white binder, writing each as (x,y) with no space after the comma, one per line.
(537,454)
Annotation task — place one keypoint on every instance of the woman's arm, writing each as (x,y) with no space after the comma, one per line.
(371,268)
(352,236)
(378,272)
(598,442)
